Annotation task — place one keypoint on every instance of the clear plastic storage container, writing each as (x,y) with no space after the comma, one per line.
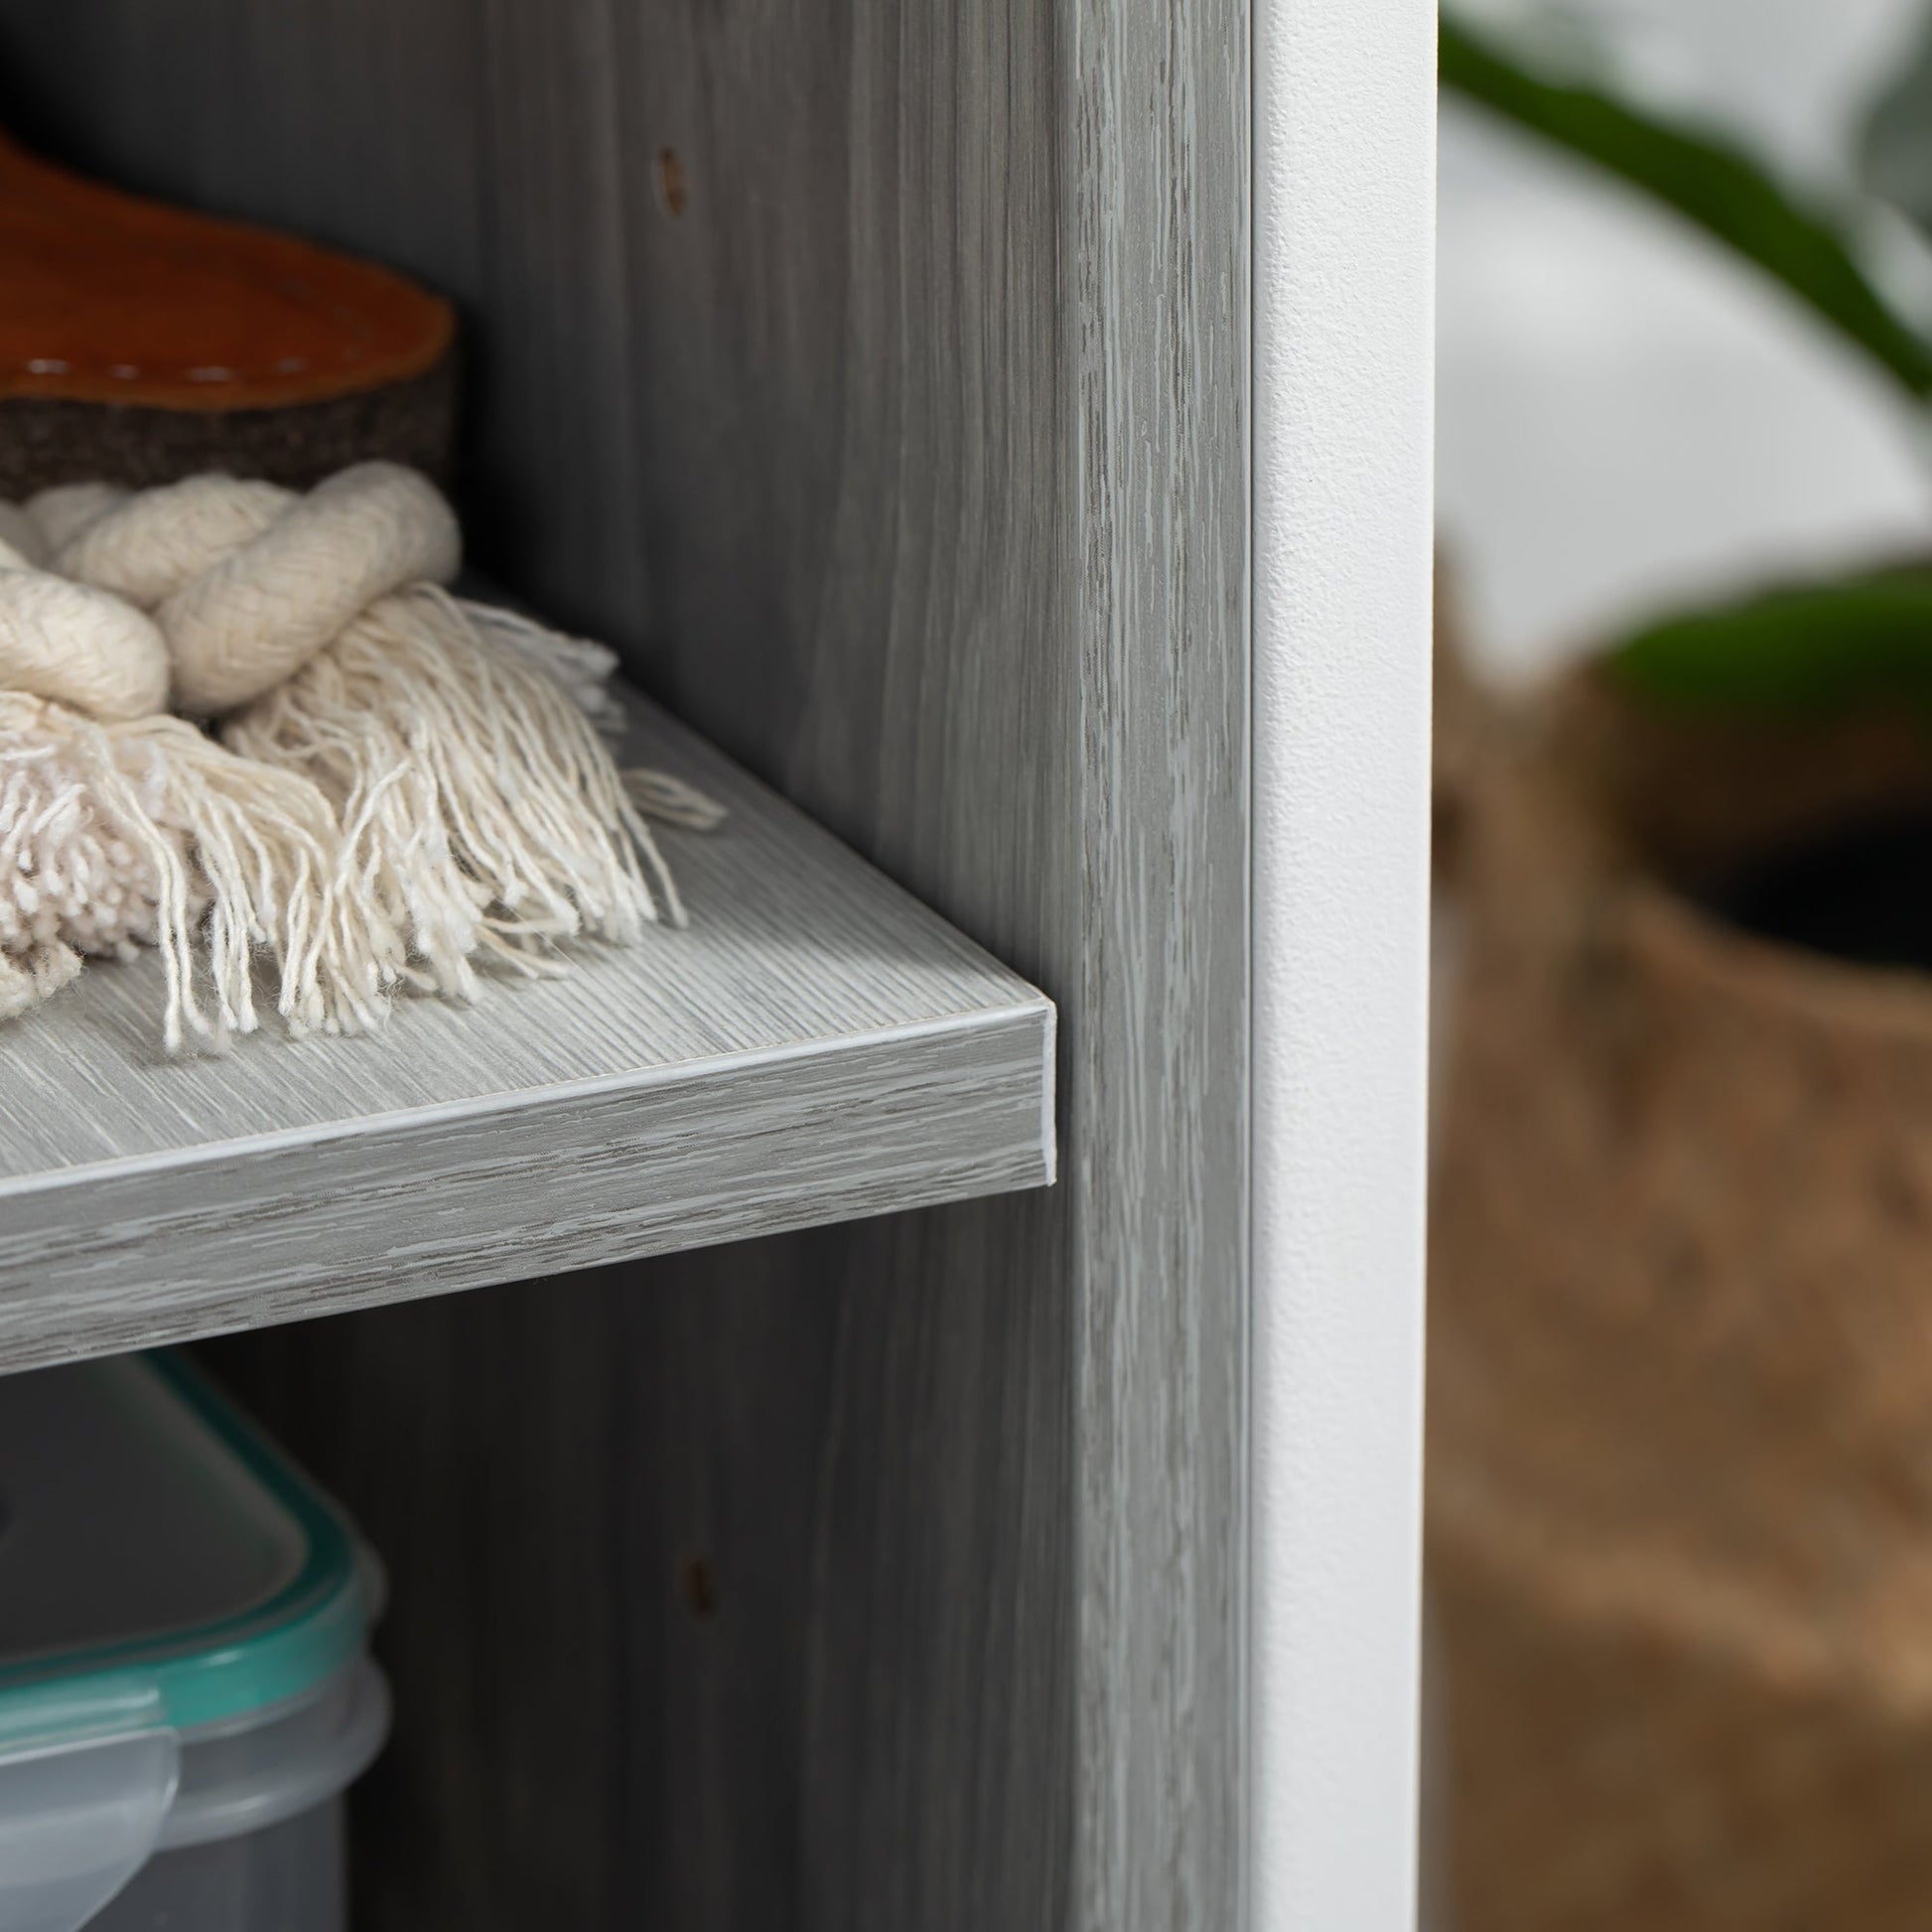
(184,1692)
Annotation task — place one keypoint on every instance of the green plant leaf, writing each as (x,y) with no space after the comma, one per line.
(1704,177)
(1895,144)
(1801,650)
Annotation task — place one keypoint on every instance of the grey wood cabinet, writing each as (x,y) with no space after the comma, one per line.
(876,376)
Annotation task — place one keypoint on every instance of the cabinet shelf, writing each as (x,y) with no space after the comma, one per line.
(816,1046)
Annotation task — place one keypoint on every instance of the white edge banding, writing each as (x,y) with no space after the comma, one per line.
(1344,288)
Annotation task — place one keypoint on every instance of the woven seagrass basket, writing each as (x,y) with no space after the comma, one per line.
(1681,1345)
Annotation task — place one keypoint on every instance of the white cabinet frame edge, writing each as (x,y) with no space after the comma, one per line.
(1343,292)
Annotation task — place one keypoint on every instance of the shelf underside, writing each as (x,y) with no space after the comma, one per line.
(815,1047)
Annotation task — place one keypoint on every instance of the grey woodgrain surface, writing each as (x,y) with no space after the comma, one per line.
(152,1253)
(910,462)
(1159,1049)
(814,1044)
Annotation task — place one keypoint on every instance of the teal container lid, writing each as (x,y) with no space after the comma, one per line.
(161,1561)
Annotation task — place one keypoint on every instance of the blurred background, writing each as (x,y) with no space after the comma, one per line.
(1630,416)
(1681,1330)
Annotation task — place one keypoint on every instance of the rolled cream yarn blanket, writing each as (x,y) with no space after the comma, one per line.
(394,784)
(122,827)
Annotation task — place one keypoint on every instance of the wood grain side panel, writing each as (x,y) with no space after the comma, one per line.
(1159,186)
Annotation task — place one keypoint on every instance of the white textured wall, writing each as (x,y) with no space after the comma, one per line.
(1344,215)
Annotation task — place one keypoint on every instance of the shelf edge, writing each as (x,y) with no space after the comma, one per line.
(557,1180)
